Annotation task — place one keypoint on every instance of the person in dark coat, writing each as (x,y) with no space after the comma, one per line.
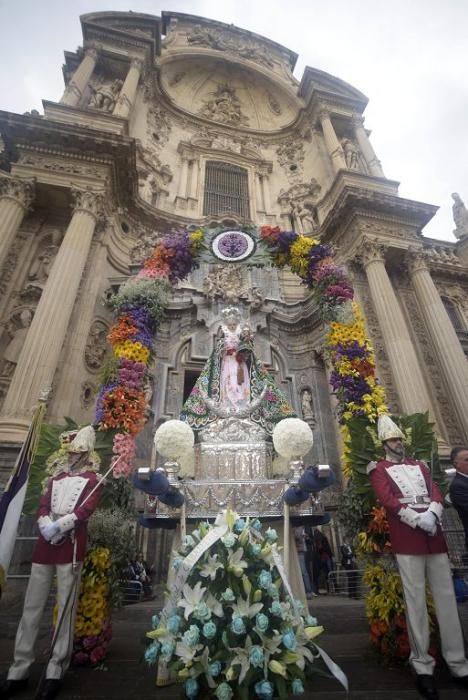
(459,486)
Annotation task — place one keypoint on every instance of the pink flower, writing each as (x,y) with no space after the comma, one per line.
(97,655)
(124,447)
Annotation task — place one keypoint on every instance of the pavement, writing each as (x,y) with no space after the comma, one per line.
(125,675)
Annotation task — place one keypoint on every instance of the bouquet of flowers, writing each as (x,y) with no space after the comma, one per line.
(230,628)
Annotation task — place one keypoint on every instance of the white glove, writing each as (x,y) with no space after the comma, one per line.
(49,530)
(427,521)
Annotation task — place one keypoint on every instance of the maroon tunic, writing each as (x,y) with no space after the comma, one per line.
(47,553)
(405,539)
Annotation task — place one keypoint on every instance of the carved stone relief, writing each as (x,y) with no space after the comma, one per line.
(87,394)
(153,176)
(291,157)
(159,126)
(224,107)
(144,247)
(58,165)
(104,93)
(353,156)
(274,104)
(96,345)
(225,41)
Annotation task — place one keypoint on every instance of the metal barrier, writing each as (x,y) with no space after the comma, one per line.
(347,582)
(132,591)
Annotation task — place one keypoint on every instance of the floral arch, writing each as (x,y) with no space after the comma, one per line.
(360,399)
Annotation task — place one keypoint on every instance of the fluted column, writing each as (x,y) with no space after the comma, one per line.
(16,197)
(40,354)
(450,354)
(77,85)
(373,163)
(195,166)
(409,380)
(183,177)
(331,141)
(127,95)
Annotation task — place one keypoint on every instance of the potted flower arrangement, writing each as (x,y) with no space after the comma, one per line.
(230,628)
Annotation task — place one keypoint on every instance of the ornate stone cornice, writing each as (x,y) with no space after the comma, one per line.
(89,201)
(21,191)
(371,250)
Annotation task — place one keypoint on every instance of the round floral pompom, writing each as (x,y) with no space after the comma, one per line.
(292,438)
(174,438)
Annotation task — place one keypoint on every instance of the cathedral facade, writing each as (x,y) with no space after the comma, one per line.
(171,121)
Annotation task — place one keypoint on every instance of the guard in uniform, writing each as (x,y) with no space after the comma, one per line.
(414,506)
(70,498)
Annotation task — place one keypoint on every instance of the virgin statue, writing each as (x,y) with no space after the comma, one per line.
(234,383)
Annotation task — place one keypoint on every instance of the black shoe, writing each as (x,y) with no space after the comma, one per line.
(426,686)
(50,689)
(10,687)
(461,681)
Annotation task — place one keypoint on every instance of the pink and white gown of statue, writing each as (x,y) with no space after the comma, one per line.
(233,394)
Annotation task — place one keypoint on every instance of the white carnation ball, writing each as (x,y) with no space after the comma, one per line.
(187,465)
(292,438)
(173,438)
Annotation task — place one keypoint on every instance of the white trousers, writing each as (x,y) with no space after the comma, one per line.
(37,593)
(413,571)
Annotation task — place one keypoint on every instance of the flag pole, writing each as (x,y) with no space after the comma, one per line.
(12,501)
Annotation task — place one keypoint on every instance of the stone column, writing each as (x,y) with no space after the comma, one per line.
(77,85)
(183,177)
(194,170)
(259,192)
(373,163)
(15,198)
(266,192)
(127,95)
(409,380)
(331,141)
(40,354)
(450,354)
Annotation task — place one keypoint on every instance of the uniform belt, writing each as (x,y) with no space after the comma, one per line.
(415,500)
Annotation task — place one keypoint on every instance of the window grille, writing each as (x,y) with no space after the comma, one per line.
(226,190)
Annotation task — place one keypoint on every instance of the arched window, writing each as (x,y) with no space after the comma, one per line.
(453,314)
(226,190)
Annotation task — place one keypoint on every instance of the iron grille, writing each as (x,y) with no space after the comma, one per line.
(226,190)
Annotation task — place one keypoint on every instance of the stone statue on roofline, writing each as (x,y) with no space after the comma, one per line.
(460,216)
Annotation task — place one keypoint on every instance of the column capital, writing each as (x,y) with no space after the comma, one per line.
(416,259)
(89,201)
(323,113)
(21,191)
(137,63)
(371,250)
(357,120)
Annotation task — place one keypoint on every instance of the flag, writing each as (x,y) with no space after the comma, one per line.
(11,503)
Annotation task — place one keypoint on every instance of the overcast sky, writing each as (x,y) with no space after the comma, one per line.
(410,57)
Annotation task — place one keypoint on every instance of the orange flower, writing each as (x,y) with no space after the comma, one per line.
(122,330)
(123,409)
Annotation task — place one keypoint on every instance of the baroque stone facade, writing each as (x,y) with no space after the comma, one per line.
(88,189)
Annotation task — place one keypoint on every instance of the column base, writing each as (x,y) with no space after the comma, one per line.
(14,428)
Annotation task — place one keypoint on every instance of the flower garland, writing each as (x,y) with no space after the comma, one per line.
(139,306)
(234,628)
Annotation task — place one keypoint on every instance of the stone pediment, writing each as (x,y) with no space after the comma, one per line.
(216,90)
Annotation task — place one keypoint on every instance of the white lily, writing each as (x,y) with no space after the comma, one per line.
(202,664)
(210,567)
(242,658)
(236,563)
(186,653)
(243,608)
(270,644)
(214,605)
(302,649)
(192,596)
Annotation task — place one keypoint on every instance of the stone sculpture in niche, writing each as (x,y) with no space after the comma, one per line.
(96,345)
(224,107)
(460,216)
(18,336)
(351,154)
(308,414)
(104,94)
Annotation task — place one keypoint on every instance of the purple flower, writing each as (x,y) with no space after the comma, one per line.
(285,241)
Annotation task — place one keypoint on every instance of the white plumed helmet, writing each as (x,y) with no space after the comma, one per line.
(387,429)
(84,440)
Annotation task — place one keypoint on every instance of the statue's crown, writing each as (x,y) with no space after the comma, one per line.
(230,311)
